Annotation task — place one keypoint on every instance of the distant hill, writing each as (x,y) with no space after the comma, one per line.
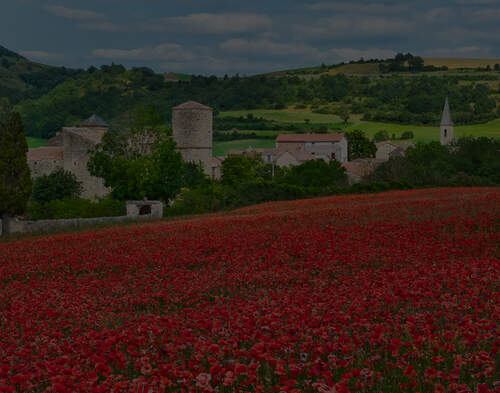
(456,63)
(21,78)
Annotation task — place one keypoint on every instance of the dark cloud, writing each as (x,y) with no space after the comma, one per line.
(229,36)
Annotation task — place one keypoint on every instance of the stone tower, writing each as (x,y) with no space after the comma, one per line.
(446,125)
(192,125)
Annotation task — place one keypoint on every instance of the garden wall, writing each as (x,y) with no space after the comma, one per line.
(14,225)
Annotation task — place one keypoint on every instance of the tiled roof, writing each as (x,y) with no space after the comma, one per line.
(303,138)
(92,134)
(94,121)
(192,105)
(362,166)
(46,153)
(379,144)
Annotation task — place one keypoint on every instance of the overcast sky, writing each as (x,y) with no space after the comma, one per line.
(244,36)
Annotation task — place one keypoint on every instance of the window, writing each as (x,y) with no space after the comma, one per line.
(145,210)
(445,133)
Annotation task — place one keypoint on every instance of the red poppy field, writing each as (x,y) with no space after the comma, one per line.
(390,292)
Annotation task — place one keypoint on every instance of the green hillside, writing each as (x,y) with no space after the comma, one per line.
(21,78)
(410,96)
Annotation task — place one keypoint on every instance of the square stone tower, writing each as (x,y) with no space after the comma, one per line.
(192,130)
(446,125)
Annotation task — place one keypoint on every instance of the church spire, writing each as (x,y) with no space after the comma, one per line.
(446,119)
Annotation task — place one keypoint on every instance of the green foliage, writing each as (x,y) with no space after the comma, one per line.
(60,184)
(75,208)
(316,173)
(137,159)
(243,168)
(15,177)
(381,136)
(407,135)
(154,176)
(343,113)
(470,162)
(359,146)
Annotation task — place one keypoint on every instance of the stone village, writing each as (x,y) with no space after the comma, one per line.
(192,130)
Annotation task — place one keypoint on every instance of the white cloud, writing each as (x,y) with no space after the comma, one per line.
(463,51)
(70,13)
(366,26)
(354,7)
(267,48)
(172,52)
(102,26)
(206,23)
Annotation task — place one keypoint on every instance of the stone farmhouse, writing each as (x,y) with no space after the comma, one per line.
(69,150)
(295,149)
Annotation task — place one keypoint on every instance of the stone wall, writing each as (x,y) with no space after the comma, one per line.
(76,157)
(137,209)
(44,167)
(15,225)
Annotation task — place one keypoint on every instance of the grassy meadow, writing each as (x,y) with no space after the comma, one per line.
(35,142)
(422,133)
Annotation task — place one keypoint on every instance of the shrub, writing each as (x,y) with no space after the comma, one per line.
(60,184)
(75,208)
(407,135)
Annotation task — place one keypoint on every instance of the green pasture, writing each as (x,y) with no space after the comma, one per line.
(221,148)
(422,133)
(285,115)
(35,142)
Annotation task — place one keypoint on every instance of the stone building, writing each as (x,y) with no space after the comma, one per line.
(388,149)
(332,146)
(69,150)
(192,130)
(446,128)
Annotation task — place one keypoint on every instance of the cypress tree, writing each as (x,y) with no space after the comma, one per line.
(15,176)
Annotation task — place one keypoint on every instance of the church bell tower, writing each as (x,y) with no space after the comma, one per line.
(446,125)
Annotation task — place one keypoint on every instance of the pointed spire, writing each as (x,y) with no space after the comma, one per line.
(446,119)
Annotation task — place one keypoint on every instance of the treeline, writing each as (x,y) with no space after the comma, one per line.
(112,90)
(467,162)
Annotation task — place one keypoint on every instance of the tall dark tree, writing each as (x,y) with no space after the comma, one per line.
(359,146)
(15,176)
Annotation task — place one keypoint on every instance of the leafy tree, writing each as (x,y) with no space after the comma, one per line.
(135,169)
(15,176)
(316,173)
(153,176)
(359,146)
(381,136)
(58,185)
(407,135)
(243,168)
(343,113)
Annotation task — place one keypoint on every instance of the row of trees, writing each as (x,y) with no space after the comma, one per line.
(114,90)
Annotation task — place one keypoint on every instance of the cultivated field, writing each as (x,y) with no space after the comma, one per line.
(375,293)
(422,133)
(35,142)
(454,63)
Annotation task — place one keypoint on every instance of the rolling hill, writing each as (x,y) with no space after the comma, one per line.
(21,78)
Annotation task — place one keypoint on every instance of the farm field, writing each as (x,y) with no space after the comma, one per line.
(35,142)
(376,293)
(222,148)
(422,133)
